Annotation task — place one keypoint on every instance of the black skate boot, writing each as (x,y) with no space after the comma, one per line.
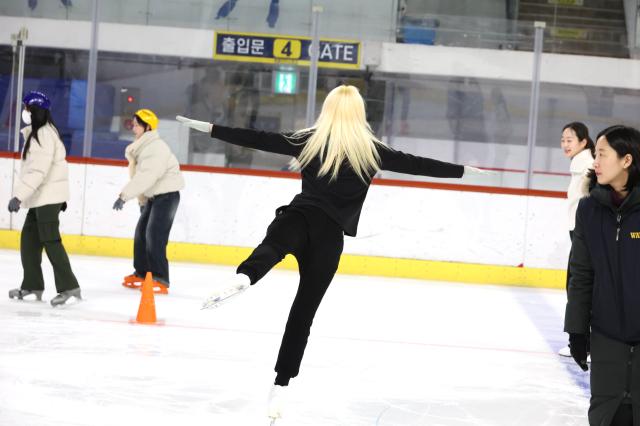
(62,298)
(20,294)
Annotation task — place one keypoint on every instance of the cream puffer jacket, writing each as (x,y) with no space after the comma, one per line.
(581,163)
(153,168)
(44,174)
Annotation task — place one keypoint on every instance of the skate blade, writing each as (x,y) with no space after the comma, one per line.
(25,300)
(72,301)
(217,300)
(133,286)
(212,303)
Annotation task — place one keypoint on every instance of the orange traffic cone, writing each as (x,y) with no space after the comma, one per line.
(147,309)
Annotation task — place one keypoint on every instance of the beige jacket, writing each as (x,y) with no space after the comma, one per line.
(153,168)
(580,166)
(44,175)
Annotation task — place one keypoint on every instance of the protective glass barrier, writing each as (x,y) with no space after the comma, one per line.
(476,121)
(573,27)
(265,97)
(59,72)
(341,19)
(560,104)
(463,120)
(183,77)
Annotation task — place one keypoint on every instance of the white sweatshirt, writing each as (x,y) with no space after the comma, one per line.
(580,165)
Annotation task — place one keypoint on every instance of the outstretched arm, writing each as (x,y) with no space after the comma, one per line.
(256,139)
(397,161)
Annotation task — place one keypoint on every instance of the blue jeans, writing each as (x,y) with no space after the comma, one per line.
(152,236)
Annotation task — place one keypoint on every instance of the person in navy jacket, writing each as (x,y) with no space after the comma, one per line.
(604,288)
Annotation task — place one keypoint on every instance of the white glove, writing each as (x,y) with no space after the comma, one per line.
(201,126)
(477,171)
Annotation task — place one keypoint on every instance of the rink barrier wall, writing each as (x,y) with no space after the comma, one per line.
(349,264)
(483,238)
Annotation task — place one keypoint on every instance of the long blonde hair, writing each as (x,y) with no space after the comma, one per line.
(340,133)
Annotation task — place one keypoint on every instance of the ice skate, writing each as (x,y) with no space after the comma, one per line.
(239,283)
(62,298)
(133,281)
(21,294)
(159,288)
(565,351)
(276,402)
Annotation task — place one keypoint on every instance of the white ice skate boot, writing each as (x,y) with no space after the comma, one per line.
(62,298)
(20,294)
(238,284)
(277,400)
(565,351)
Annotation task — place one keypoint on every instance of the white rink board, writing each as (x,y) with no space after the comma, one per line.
(402,222)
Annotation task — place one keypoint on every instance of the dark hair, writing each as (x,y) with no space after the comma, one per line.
(582,132)
(142,123)
(623,140)
(39,118)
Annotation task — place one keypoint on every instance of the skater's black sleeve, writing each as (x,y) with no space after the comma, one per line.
(577,315)
(397,161)
(257,139)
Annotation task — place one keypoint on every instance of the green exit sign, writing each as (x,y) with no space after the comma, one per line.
(285,82)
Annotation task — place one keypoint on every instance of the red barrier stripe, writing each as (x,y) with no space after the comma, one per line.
(471,188)
(15,155)
(294,175)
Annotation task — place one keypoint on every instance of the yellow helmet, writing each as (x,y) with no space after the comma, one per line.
(148,117)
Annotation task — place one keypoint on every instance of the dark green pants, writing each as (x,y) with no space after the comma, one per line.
(41,230)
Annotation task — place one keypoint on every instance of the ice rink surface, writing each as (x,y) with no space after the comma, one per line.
(382,352)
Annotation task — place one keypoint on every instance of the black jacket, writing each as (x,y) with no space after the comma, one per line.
(342,198)
(604,288)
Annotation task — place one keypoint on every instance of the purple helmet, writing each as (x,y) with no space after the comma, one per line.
(38,99)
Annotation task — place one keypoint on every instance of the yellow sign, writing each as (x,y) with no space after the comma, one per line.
(287,49)
(278,49)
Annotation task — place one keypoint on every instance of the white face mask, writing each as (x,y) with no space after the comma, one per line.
(26,117)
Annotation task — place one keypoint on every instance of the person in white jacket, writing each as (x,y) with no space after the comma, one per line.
(155,181)
(43,188)
(578,146)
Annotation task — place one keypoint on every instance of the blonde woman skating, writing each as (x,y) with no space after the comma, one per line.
(338,157)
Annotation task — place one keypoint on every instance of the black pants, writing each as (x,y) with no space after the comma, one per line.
(623,416)
(316,241)
(615,382)
(152,236)
(41,230)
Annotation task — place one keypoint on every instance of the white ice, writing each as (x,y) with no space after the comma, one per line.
(382,352)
